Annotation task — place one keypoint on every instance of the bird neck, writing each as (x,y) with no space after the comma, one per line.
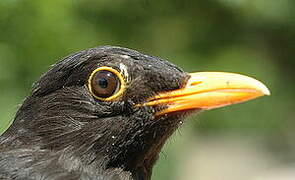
(135,148)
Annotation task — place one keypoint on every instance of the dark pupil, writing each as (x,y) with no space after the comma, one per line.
(104,83)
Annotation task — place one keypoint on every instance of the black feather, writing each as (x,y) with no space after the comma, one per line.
(62,132)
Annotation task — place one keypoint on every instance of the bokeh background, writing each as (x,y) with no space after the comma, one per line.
(253,140)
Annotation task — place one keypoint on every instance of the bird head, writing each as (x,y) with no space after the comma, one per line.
(116,107)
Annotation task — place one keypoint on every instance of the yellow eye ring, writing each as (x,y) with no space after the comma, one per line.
(106,83)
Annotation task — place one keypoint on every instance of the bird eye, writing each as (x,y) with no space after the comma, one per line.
(106,83)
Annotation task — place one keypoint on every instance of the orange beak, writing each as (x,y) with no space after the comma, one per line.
(208,90)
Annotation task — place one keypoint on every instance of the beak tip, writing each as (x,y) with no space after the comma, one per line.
(267,92)
(264,90)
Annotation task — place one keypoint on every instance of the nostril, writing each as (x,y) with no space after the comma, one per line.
(195,83)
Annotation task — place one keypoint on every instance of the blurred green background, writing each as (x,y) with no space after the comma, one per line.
(254,37)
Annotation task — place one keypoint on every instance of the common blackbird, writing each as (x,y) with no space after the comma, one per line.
(106,112)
